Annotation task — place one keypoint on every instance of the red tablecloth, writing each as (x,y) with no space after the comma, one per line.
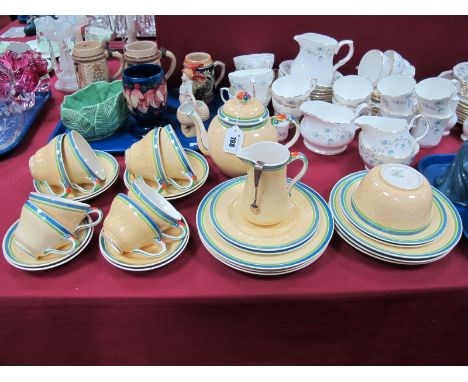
(344,309)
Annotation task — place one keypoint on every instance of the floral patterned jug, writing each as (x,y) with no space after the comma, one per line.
(389,136)
(315,58)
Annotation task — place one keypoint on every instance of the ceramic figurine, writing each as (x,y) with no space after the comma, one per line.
(245,121)
(186,88)
(454,183)
(186,96)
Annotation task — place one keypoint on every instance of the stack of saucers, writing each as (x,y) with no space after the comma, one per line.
(142,230)
(162,163)
(460,73)
(264,250)
(391,213)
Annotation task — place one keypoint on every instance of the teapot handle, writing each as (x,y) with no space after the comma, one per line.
(427,124)
(297,133)
(344,60)
(295,156)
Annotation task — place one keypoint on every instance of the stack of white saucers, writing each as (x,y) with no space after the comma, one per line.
(391,213)
(460,73)
(264,250)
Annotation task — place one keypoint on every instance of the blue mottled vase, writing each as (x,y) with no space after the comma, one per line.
(145,91)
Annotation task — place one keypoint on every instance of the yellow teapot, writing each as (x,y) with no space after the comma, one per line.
(241,122)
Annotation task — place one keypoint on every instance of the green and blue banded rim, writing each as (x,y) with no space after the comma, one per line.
(268,167)
(179,150)
(201,212)
(80,158)
(59,161)
(61,204)
(249,122)
(51,222)
(242,127)
(396,252)
(142,213)
(262,248)
(396,240)
(408,261)
(152,206)
(161,179)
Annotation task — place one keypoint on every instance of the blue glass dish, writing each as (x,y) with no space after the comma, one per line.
(29,116)
(435,165)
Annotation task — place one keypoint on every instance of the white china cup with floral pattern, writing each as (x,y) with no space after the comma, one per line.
(397,93)
(436,96)
(293,90)
(254,61)
(253,81)
(436,130)
(351,91)
(231,93)
(374,66)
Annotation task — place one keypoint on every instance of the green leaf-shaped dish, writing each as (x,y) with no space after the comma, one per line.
(96,111)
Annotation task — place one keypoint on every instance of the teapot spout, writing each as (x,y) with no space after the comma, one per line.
(202,135)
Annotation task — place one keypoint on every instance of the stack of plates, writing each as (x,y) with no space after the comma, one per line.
(427,246)
(460,73)
(274,250)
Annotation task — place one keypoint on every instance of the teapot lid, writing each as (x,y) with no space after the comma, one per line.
(243,110)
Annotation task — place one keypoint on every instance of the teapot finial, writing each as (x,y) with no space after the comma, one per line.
(243,96)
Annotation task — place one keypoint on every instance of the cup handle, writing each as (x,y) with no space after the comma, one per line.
(190,178)
(446,74)
(297,133)
(172,58)
(74,241)
(92,210)
(221,91)
(149,254)
(344,60)
(117,55)
(96,186)
(220,77)
(64,194)
(457,85)
(183,233)
(427,123)
(362,109)
(295,156)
